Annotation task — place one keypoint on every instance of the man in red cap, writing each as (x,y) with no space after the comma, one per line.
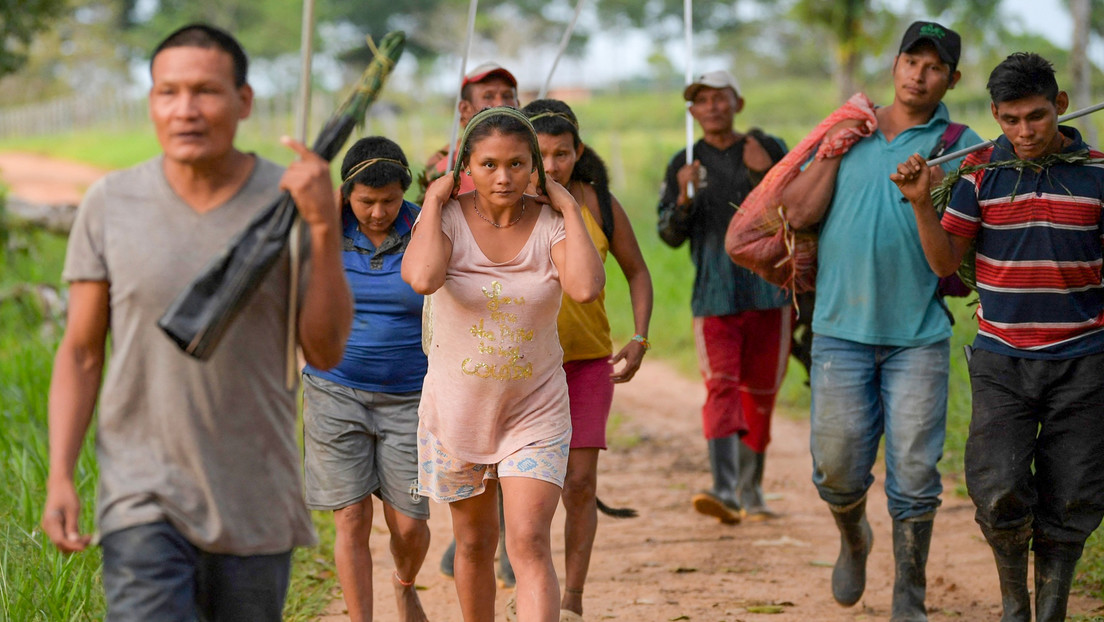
(486,86)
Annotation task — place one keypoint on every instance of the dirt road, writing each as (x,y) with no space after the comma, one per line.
(673,564)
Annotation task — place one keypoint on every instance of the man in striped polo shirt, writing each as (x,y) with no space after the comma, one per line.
(1038,369)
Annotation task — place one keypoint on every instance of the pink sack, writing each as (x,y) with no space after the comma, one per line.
(759,238)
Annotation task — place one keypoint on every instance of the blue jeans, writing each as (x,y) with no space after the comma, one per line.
(150,572)
(861,392)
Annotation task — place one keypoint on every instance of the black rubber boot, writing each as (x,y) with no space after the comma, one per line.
(448,560)
(911,541)
(724,461)
(856,540)
(750,487)
(1054,568)
(1010,552)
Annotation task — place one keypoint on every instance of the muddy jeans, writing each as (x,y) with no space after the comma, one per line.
(862,392)
(1050,412)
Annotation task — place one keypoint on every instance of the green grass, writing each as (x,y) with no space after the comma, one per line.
(637,133)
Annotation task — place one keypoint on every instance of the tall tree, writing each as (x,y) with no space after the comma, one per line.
(19,23)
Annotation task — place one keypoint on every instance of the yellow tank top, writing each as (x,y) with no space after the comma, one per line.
(584,328)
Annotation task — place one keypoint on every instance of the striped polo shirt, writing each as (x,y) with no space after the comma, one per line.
(1039,242)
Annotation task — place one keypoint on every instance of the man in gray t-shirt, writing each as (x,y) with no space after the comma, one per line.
(200,499)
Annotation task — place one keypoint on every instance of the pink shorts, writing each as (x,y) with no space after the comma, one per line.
(590,394)
(446,478)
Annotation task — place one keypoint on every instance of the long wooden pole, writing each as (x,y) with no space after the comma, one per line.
(989,143)
(688,26)
(563,46)
(455,131)
(306,48)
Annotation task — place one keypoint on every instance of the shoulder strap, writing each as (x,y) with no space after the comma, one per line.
(950,136)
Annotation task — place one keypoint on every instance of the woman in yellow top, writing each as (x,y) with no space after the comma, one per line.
(585,333)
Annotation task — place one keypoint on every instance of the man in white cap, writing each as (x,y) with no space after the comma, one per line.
(486,86)
(741,322)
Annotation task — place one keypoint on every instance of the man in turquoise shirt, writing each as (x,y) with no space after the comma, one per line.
(881,338)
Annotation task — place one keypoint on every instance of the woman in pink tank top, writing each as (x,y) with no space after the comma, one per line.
(494,411)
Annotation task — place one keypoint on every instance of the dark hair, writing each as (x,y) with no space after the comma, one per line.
(210,38)
(1021,75)
(503,120)
(385,170)
(554,117)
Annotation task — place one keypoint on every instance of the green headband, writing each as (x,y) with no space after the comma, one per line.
(554,114)
(487,113)
(360,167)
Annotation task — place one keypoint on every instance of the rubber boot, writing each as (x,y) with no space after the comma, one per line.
(751,485)
(721,501)
(1054,568)
(911,541)
(1010,552)
(505,571)
(856,540)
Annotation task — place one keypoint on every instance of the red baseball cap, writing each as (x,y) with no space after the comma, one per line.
(486,70)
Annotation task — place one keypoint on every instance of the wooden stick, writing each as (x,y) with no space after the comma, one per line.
(688,26)
(563,46)
(989,143)
(463,70)
(306,48)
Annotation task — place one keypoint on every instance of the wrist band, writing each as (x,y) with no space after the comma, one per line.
(642,340)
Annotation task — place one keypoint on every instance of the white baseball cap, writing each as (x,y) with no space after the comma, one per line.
(719,79)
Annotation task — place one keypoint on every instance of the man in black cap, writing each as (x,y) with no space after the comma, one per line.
(880,334)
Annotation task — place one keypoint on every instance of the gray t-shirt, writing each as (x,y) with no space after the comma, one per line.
(208,446)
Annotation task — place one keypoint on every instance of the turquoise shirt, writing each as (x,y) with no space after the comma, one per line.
(873,284)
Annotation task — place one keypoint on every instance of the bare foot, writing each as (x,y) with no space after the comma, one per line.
(406,595)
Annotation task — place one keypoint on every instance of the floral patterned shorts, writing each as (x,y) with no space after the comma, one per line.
(446,478)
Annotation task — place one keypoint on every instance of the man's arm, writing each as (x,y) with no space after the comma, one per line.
(675,206)
(942,249)
(326,313)
(74,387)
(807,197)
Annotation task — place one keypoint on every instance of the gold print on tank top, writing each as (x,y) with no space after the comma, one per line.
(505,344)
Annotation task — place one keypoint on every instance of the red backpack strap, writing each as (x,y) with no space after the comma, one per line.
(950,136)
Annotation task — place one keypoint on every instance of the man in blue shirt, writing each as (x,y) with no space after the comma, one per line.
(881,337)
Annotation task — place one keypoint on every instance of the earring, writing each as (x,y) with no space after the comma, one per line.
(468,172)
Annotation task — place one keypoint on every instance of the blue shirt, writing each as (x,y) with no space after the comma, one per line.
(873,284)
(384,351)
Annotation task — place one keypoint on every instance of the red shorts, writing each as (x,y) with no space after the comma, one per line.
(590,393)
(742,358)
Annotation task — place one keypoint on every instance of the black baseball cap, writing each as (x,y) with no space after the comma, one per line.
(946,41)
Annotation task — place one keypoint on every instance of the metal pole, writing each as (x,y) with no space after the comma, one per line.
(688,25)
(463,69)
(563,46)
(306,47)
(989,143)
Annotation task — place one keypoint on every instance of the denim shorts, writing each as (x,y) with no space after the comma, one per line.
(446,478)
(358,443)
(151,572)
